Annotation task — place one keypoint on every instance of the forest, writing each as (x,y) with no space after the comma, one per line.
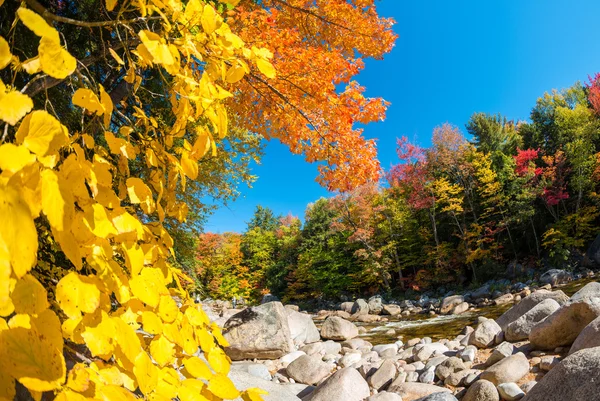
(501,198)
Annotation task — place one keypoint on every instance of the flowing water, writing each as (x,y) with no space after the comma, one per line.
(439,327)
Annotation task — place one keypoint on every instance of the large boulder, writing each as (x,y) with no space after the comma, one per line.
(588,338)
(481,292)
(509,369)
(564,325)
(450,302)
(589,290)
(411,391)
(391,310)
(302,328)
(259,332)
(520,328)
(555,277)
(344,385)
(338,329)
(527,303)
(360,307)
(375,305)
(308,369)
(485,334)
(576,378)
(460,308)
(482,390)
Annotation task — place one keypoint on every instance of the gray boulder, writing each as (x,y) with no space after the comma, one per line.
(589,290)
(360,307)
(302,328)
(344,385)
(564,325)
(308,369)
(588,338)
(482,390)
(450,302)
(527,303)
(484,335)
(336,328)
(510,369)
(413,391)
(555,277)
(259,332)
(521,328)
(576,378)
(375,305)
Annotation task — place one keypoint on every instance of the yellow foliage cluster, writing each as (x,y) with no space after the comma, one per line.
(117,325)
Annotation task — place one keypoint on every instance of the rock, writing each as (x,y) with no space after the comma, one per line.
(555,277)
(259,332)
(384,376)
(414,391)
(391,310)
(528,386)
(548,362)
(259,370)
(428,376)
(588,338)
(456,378)
(356,343)
(384,347)
(313,349)
(344,385)
(350,359)
(510,392)
(482,390)
(504,299)
(564,325)
(527,303)
(575,378)
(308,369)
(481,292)
(269,298)
(587,291)
(438,397)
(450,302)
(510,369)
(243,380)
(366,318)
(448,367)
(331,347)
(336,328)
(360,307)
(500,352)
(385,396)
(375,305)
(302,328)
(291,357)
(346,307)
(460,308)
(485,334)
(423,352)
(470,378)
(469,353)
(521,328)
(434,362)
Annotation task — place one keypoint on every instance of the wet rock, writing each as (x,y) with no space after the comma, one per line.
(302,328)
(261,332)
(384,376)
(576,378)
(360,307)
(336,328)
(308,369)
(588,338)
(485,334)
(527,303)
(450,302)
(521,328)
(344,385)
(565,324)
(414,391)
(392,310)
(482,390)
(510,392)
(510,369)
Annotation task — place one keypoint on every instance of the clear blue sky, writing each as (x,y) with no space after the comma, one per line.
(453,58)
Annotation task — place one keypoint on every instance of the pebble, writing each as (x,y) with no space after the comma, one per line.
(510,391)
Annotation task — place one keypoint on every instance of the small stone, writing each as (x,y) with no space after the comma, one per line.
(412,342)
(428,376)
(548,362)
(510,391)
(412,377)
(482,390)
(500,352)
(384,376)
(528,386)
(469,354)
(350,359)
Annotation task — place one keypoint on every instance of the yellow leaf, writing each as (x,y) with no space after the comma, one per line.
(151,323)
(266,67)
(116,393)
(54,60)
(68,395)
(167,309)
(216,331)
(162,350)
(126,224)
(13,158)
(187,340)
(189,166)
(32,65)
(154,45)
(29,296)
(18,236)
(99,334)
(210,19)
(6,285)
(197,368)
(57,201)
(218,360)
(190,391)
(97,221)
(146,373)
(37,24)
(140,193)
(76,294)
(5,55)
(7,386)
(88,100)
(78,378)
(41,133)
(134,258)
(206,340)
(114,55)
(13,106)
(119,146)
(110,4)
(253,394)
(221,386)
(149,286)
(196,317)
(108,106)
(172,332)
(127,340)
(31,359)
(168,383)
(235,74)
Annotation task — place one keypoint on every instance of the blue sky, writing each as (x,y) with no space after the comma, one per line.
(453,58)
